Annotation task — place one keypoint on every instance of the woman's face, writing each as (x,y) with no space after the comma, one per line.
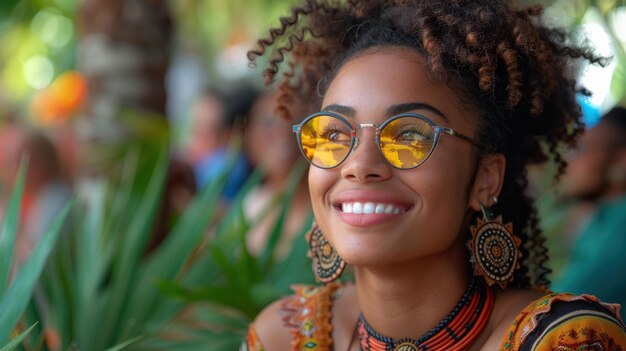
(269,140)
(432,199)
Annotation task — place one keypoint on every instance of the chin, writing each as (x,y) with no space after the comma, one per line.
(364,254)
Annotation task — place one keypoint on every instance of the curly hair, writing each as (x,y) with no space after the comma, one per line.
(515,72)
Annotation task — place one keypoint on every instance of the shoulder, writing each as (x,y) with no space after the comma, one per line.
(298,319)
(506,309)
(565,322)
(267,332)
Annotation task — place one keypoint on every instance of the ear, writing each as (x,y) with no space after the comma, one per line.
(488,181)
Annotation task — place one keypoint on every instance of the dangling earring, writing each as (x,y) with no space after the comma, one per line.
(494,249)
(327,264)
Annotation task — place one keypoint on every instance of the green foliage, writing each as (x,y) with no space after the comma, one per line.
(14,298)
(8,231)
(199,287)
(239,284)
(15,342)
(214,23)
(38,44)
(618,83)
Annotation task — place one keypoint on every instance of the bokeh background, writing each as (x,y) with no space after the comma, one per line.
(182,225)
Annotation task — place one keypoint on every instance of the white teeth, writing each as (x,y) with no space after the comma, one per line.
(389,209)
(370,208)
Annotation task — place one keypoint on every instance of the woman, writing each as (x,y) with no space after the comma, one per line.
(269,146)
(430,112)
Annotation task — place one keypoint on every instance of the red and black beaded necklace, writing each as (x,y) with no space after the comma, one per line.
(456,332)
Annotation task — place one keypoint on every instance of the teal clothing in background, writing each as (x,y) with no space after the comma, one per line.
(598,262)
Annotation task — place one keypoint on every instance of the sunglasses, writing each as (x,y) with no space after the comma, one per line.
(406,140)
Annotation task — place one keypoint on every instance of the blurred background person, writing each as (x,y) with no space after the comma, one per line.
(10,134)
(269,144)
(215,120)
(46,192)
(596,179)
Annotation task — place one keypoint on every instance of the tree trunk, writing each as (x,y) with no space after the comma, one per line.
(123,52)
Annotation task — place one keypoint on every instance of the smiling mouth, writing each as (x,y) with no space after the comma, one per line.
(357,207)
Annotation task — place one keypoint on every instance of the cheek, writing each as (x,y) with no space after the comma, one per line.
(320,182)
(449,175)
(444,195)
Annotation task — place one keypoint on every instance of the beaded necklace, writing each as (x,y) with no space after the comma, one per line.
(456,332)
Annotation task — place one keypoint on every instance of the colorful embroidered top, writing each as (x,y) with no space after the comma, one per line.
(308,316)
(566,322)
(562,322)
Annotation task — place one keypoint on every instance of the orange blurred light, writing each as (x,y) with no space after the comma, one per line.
(58,102)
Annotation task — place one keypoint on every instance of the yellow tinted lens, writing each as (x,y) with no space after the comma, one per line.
(325,140)
(406,141)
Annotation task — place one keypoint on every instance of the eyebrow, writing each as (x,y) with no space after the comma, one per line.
(411,106)
(391,111)
(340,109)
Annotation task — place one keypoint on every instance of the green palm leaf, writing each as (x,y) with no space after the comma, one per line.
(15,342)
(13,302)
(8,231)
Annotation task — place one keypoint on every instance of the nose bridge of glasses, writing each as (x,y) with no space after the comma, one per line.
(375,126)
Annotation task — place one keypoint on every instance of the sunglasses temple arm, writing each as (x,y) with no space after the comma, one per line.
(454,133)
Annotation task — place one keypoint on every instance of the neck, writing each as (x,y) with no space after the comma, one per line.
(409,299)
(276,182)
(301,195)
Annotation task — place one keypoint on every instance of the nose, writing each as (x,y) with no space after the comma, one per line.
(366,163)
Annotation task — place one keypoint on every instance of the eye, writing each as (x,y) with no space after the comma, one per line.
(413,133)
(410,135)
(336,134)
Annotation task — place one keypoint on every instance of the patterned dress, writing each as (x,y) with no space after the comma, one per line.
(566,322)
(555,322)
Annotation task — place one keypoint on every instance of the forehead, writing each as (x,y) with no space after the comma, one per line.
(263,107)
(379,78)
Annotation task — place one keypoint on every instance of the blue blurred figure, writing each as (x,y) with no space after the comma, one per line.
(215,119)
(596,177)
